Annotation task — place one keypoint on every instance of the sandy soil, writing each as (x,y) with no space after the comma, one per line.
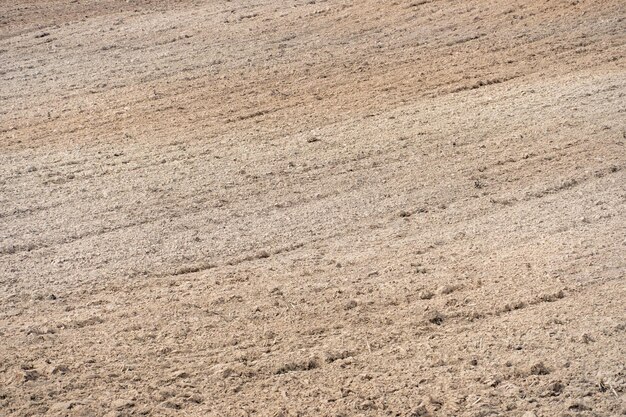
(313,208)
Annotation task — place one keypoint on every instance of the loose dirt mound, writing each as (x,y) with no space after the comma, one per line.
(313,208)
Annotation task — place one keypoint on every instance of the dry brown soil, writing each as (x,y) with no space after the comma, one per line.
(313,208)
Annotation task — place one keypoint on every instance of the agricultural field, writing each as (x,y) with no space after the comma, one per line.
(313,208)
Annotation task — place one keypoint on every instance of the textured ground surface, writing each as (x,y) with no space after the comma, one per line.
(313,208)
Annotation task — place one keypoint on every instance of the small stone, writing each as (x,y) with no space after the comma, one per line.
(578,406)
(28,375)
(121,404)
(368,405)
(58,369)
(539,369)
(447,289)
(180,375)
(426,295)
(276,291)
(60,407)
(350,305)
(435,317)
(586,338)
(196,398)
(419,411)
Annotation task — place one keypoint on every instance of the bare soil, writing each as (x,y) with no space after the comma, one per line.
(313,208)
